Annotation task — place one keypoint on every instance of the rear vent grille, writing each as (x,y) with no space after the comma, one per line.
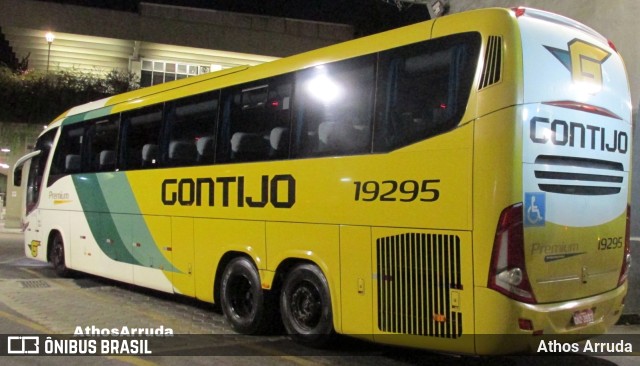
(578,176)
(415,275)
(492,62)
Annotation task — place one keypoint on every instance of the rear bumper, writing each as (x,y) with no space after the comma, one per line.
(497,320)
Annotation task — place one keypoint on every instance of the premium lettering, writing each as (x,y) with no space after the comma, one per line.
(538,248)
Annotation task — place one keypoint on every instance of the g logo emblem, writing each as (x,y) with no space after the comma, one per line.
(34,247)
(584,61)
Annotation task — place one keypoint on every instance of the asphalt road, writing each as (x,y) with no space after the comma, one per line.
(34,301)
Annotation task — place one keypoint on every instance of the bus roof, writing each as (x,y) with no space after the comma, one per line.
(361,46)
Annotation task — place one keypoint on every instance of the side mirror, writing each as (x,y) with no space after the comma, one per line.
(17,168)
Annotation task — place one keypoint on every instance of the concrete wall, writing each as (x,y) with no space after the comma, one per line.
(174,25)
(19,138)
(237,32)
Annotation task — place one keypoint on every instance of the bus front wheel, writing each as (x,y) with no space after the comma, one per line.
(241,297)
(57,256)
(305,306)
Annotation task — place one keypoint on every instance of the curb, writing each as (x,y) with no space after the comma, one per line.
(629,319)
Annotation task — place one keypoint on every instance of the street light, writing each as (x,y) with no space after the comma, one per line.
(49,37)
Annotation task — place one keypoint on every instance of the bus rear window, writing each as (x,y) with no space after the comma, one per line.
(334,105)
(423,89)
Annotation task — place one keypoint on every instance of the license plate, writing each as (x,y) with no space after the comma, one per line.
(583,317)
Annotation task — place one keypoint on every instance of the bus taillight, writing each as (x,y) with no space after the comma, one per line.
(583,107)
(518,11)
(508,273)
(626,260)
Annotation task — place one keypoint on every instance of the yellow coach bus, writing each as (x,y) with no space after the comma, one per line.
(426,186)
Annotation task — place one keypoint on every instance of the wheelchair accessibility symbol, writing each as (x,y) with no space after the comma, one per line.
(534,209)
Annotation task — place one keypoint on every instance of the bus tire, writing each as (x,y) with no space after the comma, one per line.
(241,297)
(57,256)
(305,306)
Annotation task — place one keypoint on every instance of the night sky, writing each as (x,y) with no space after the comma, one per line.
(366,16)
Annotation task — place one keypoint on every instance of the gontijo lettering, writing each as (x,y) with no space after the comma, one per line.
(279,191)
(576,134)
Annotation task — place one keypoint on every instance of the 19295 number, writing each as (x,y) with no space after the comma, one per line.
(391,190)
(610,243)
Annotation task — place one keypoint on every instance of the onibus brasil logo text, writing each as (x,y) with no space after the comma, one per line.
(90,340)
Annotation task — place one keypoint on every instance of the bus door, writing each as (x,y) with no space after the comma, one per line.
(31,222)
(35,162)
(29,216)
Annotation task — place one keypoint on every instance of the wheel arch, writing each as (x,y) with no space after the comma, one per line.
(289,263)
(222,264)
(52,234)
(278,279)
(333,282)
(283,269)
(299,329)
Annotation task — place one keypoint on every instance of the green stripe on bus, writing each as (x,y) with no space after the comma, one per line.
(115,220)
(116,187)
(96,113)
(101,223)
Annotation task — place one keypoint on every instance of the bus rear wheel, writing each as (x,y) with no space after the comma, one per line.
(241,297)
(305,306)
(57,256)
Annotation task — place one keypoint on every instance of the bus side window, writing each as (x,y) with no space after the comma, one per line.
(102,138)
(334,106)
(191,126)
(255,122)
(279,118)
(423,89)
(141,138)
(68,156)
